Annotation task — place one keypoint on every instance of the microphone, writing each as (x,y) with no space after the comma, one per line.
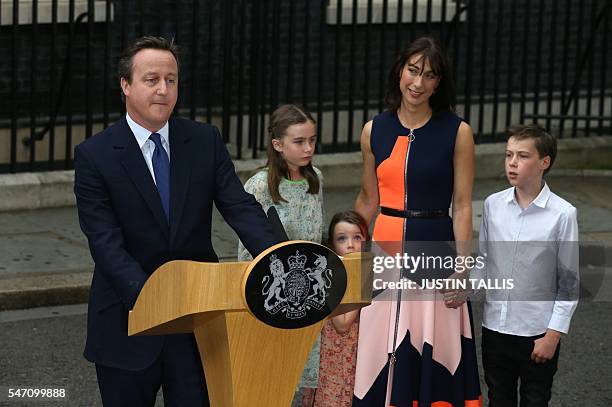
(277,225)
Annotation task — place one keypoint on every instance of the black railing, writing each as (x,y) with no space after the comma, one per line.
(513,61)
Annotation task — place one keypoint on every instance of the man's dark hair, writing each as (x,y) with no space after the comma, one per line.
(431,50)
(126,61)
(545,143)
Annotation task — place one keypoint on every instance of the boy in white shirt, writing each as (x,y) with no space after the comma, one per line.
(529,236)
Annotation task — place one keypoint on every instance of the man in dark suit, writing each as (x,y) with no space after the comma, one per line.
(145,189)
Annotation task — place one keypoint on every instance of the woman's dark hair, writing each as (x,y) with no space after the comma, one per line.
(351,217)
(280,120)
(444,98)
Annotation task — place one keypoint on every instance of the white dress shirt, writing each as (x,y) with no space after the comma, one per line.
(147,146)
(536,247)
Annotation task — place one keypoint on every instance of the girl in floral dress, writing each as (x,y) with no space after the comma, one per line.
(347,231)
(291,184)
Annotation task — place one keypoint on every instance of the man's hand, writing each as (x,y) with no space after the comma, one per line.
(544,348)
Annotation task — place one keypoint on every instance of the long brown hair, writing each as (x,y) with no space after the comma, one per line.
(444,99)
(280,120)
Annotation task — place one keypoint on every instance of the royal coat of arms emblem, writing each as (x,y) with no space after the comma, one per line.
(299,289)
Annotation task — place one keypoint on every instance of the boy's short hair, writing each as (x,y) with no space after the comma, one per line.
(545,143)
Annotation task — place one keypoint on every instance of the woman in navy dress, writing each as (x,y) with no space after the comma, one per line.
(418,160)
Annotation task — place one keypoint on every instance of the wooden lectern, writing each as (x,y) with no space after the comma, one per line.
(247,363)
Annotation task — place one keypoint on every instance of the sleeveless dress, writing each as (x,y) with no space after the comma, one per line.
(435,350)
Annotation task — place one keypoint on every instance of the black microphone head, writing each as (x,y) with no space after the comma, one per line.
(277,225)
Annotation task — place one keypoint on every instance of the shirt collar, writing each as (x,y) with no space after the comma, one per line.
(543,196)
(142,134)
(540,200)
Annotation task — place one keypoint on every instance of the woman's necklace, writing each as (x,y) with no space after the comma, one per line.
(411,135)
(417,125)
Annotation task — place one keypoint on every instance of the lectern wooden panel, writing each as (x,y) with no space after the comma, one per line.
(246,361)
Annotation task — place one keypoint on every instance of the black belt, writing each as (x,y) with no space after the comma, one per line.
(414,213)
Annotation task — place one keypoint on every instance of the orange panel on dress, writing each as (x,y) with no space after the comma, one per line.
(388,229)
(390,173)
(391,187)
(468,403)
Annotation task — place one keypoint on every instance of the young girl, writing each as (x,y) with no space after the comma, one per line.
(291,184)
(347,231)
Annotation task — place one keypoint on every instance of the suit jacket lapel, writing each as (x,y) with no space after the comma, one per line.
(136,168)
(181,156)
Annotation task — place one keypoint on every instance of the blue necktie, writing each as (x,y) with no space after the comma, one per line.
(161,169)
